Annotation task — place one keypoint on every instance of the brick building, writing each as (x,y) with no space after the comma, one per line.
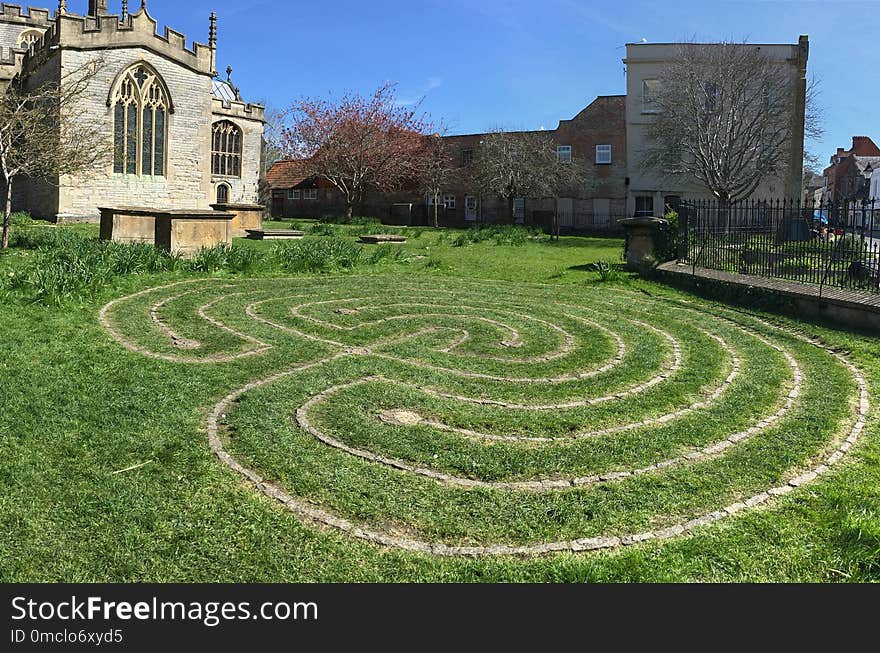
(847,176)
(182,138)
(595,137)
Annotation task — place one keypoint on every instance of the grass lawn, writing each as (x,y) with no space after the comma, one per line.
(458,398)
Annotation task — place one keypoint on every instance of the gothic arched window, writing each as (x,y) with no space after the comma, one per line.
(223,194)
(226,149)
(140,122)
(28,37)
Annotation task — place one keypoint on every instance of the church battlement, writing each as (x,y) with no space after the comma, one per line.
(31,16)
(112,31)
(238,109)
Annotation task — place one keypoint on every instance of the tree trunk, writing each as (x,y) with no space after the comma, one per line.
(436,209)
(510,210)
(7,212)
(349,209)
(724,211)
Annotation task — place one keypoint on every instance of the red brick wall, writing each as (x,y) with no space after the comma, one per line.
(603,122)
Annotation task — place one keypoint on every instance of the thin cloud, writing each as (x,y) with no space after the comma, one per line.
(411,101)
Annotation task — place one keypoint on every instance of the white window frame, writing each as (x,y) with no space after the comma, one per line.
(310,194)
(603,154)
(519,208)
(563,153)
(642,213)
(449,202)
(292,194)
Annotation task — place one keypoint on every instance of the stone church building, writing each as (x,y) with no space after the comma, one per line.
(182,137)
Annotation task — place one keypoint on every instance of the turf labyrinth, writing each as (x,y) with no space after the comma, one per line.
(462,418)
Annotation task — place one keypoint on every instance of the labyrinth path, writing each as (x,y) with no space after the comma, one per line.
(464,418)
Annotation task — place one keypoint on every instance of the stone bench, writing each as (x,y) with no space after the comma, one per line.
(273,234)
(181,231)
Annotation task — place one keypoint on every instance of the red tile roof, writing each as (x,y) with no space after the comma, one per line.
(287,174)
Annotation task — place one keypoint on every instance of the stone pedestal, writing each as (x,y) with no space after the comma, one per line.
(182,232)
(248,217)
(641,240)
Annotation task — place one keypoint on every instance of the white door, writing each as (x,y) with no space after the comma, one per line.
(471,208)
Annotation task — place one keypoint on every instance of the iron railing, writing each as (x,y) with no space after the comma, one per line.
(834,245)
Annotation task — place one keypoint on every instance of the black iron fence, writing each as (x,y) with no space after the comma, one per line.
(833,245)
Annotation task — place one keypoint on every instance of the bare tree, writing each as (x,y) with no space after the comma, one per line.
(814,114)
(437,168)
(358,143)
(525,164)
(723,116)
(47,131)
(814,129)
(273,134)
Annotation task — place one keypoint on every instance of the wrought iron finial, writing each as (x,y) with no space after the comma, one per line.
(212,31)
(229,74)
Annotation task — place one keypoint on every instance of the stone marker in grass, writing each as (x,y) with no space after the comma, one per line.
(375,239)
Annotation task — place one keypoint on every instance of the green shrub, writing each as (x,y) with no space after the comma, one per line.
(666,247)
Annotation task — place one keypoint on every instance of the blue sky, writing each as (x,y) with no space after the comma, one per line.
(519,63)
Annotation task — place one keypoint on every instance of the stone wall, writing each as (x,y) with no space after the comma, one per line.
(39,196)
(10,33)
(186,183)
